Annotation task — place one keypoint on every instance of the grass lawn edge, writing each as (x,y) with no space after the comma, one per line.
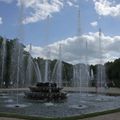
(89,115)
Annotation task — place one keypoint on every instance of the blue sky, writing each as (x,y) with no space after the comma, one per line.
(63,23)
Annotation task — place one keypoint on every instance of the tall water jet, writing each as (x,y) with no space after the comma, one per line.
(59,69)
(78,67)
(20,52)
(3,56)
(101,76)
(29,67)
(46,71)
(92,77)
(46,74)
(13,64)
(87,67)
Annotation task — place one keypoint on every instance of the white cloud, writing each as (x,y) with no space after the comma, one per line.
(36,51)
(107,8)
(69,3)
(74,49)
(40,9)
(94,24)
(1,21)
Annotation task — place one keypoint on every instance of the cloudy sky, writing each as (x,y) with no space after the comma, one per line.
(61,27)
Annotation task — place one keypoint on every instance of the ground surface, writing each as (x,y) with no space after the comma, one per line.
(113,116)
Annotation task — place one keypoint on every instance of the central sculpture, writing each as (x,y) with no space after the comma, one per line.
(46,92)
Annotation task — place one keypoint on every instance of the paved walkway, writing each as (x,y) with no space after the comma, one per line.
(113,116)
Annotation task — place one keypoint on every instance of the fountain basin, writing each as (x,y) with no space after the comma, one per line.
(45,91)
(72,106)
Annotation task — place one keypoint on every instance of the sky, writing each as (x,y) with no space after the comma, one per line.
(47,24)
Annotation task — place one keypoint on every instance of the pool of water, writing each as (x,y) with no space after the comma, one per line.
(75,104)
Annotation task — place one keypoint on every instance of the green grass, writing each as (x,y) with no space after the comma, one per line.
(11,115)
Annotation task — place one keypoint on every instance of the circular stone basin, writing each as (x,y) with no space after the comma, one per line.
(16,105)
(78,106)
(72,106)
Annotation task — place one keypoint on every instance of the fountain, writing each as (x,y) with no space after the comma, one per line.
(46,92)
(49,90)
